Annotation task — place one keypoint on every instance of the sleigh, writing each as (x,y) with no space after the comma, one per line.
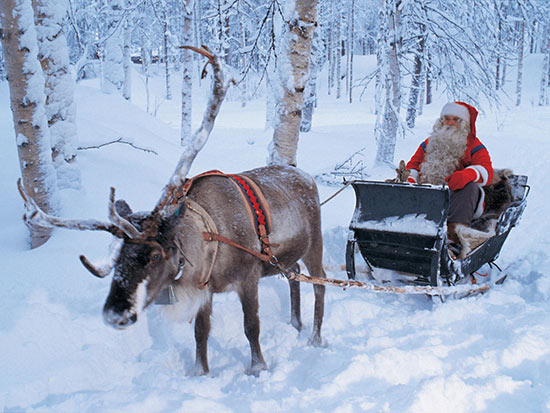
(402,227)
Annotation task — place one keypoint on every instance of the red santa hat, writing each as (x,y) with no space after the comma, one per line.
(463,111)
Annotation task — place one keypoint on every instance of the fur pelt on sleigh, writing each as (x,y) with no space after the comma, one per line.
(498,195)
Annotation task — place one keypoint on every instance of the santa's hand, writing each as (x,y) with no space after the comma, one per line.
(459,179)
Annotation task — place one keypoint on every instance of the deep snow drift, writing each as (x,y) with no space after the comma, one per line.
(382,352)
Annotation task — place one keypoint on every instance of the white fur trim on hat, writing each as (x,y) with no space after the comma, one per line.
(454,109)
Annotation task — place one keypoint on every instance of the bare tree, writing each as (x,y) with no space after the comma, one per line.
(293,81)
(19,43)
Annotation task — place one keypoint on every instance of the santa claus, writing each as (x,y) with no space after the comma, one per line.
(454,155)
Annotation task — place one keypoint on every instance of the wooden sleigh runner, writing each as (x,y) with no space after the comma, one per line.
(403,227)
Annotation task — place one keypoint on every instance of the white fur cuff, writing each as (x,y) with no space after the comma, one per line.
(414,174)
(482,174)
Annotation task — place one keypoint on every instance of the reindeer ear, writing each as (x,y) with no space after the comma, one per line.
(122,208)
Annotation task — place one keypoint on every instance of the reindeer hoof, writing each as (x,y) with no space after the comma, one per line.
(256,369)
(315,341)
(199,370)
(297,324)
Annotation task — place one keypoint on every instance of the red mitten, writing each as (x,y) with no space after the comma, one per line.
(458,180)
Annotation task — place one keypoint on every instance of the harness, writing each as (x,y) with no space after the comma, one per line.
(256,206)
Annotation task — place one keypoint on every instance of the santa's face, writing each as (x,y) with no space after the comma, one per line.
(449,120)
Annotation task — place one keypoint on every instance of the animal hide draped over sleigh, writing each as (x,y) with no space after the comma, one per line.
(498,195)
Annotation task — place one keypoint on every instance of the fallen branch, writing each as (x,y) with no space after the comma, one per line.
(119,140)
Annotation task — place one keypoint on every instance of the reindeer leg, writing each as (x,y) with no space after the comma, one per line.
(314,263)
(248,294)
(295,313)
(202,331)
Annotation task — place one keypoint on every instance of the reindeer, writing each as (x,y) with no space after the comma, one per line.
(167,247)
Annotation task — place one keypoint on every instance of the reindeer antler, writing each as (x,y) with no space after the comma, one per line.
(194,143)
(34,215)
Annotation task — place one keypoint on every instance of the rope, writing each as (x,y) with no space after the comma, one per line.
(337,192)
(408,289)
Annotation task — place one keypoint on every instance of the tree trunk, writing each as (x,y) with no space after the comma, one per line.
(113,72)
(390,93)
(126,63)
(59,89)
(298,42)
(416,81)
(428,84)
(544,81)
(19,44)
(145,65)
(310,94)
(187,81)
(520,64)
(351,43)
(545,78)
(499,44)
(166,61)
(330,52)
(339,53)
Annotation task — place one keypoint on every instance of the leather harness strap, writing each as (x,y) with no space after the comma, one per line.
(257,208)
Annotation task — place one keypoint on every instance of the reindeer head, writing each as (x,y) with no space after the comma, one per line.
(146,264)
(146,256)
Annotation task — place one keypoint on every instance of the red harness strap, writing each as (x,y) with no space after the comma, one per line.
(256,205)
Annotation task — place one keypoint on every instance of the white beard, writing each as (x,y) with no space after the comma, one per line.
(444,151)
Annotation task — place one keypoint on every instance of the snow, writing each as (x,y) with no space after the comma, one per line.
(410,223)
(381,353)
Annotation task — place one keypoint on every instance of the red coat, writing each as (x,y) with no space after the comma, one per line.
(475,157)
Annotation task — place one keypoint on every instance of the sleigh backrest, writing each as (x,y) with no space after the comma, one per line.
(519,185)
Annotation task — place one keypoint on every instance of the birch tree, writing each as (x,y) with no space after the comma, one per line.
(293,73)
(388,96)
(310,93)
(113,71)
(187,80)
(59,89)
(521,47)
(545,75)
(26,82)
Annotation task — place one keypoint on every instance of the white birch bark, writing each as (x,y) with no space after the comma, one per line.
(126,63)
(521,46)
(310,93)
(389,96)
(293,77)
(167,76)
(338,57)
(26,82)
(59,89)
(545,80)
(113,72)
(351,51)
(187,80)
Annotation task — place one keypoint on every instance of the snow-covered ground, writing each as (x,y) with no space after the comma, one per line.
(382,352)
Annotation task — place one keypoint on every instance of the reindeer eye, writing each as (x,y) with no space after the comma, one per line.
(156,257)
